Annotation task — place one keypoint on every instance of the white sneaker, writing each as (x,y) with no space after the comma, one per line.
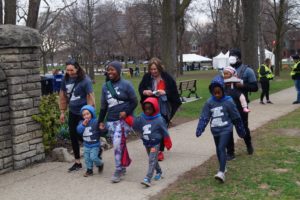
(220,176)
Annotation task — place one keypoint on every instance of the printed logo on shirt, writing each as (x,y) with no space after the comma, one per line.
(87,134)
(69,88)
(217,117)
(146,131)
(112,101)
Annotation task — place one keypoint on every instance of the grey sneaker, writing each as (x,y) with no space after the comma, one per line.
(116,178)
(220,176)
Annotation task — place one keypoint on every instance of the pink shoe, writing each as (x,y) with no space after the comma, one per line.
(246,110)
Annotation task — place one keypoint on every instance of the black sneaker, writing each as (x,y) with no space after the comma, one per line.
(75,167)
(250,149)
(230,157)
(296,102)
(89,172)
(262,102)
(270,102)
(100,168)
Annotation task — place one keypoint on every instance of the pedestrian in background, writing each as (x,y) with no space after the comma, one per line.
(295,74)
(264,76)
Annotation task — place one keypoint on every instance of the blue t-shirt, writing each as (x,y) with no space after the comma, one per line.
(152,129)
(125,91)
(78,98)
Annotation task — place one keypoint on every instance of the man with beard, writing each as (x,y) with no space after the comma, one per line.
(249,84)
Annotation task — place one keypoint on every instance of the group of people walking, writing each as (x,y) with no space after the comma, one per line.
(160,100)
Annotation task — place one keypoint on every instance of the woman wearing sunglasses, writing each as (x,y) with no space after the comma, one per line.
(76,91)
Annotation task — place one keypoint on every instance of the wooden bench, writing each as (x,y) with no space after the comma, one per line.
(187,85)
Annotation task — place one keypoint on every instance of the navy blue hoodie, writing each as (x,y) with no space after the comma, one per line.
(222,113)
(90,133)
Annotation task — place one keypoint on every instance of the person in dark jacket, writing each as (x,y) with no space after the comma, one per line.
(89,130)
(264,76)
(222,113)
(249,84)
(153,129)
(158,83)
(295,74)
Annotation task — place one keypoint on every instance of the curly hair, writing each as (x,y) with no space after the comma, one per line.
(157,62)
(80,71)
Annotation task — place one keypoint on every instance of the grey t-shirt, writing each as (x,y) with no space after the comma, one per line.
(78,98)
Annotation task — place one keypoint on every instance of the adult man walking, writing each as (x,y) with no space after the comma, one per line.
(295,74)
(249,85)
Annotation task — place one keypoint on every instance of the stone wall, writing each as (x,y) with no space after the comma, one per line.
(20,136)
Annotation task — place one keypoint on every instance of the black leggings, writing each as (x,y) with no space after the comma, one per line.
(265,87)
(75,137)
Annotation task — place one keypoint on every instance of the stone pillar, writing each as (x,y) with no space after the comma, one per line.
(21,141)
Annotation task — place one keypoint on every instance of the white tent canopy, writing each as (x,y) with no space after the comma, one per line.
(268,54)
(220,61)
(194,58)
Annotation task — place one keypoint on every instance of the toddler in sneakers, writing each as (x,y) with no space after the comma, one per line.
(153,129)
(230,79)
(221,112)
(88,128)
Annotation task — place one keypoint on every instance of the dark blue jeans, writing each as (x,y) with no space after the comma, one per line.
(297,85)
(221,141)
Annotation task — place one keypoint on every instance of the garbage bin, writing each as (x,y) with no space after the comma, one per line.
(57,82)
(47,85)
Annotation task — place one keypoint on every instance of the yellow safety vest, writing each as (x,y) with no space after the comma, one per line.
(269,75)
(293,72)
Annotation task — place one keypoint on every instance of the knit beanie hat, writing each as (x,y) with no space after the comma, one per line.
(230,69)
(235,52)
(117,65)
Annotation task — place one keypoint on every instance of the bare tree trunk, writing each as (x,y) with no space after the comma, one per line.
(279,34)
(1,12)
(10,11)
(33,13)
(250,30)
(260,37)
(169,36)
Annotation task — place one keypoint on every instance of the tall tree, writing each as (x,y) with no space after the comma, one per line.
(10,11)
(250,33)
(1,12)
(172,12)
(33,13)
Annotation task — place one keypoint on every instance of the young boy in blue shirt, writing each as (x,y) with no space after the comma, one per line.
(222,113)
(88,128)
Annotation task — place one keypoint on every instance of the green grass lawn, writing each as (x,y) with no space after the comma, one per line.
(191,110)
(273,172)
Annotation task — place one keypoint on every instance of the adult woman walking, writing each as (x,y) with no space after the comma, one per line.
(159,83)
(76,91)
(265,75)
(118,100)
